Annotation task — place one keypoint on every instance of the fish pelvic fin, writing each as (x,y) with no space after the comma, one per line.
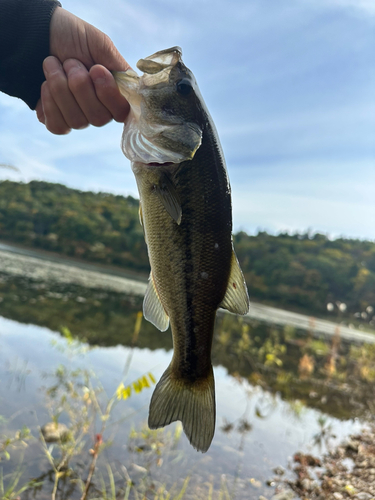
(191,403)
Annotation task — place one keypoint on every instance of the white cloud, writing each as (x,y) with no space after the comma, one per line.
(277,212)
(288,84)
(333,198)
(364,6)
(10,104)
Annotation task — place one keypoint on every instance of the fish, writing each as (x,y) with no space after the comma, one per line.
(186,214)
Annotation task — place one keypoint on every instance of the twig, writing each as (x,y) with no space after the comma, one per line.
(95,454)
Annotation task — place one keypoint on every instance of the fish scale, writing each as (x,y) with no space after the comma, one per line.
(186,214)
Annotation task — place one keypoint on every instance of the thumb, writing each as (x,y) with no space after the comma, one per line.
(103,50)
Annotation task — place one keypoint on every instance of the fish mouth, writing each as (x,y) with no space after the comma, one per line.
(160,61)
(153,143)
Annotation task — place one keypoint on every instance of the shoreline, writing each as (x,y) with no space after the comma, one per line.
(44,266)
(346,471)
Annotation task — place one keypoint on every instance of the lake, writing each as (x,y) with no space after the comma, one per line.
(66,347)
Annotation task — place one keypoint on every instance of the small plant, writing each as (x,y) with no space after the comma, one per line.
(10,488)
(18,439)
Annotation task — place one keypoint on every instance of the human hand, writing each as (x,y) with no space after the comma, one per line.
(79,89)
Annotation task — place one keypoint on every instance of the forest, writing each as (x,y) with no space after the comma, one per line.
(302,272)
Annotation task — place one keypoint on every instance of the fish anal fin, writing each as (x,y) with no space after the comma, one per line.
(191,403)
(167,194)
(236,299)
(153,309)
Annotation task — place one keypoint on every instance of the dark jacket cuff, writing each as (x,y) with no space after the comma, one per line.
(24,44)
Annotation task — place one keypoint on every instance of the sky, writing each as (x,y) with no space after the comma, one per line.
(290,85)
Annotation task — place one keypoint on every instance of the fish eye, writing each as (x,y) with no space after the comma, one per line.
(184,87)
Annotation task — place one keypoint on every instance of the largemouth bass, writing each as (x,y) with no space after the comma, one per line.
(185,210)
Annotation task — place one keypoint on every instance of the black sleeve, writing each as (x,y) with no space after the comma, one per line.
(24,44)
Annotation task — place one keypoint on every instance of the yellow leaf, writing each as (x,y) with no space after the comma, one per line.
(152,378)
(137,387)
(144,382)
(119,391)
(126,392)
(137,326)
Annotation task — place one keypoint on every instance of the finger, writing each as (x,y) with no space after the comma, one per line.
(108,93)
(82,88)
(62,96)
(39,111)
(54,120)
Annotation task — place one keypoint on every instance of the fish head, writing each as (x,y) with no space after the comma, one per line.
(166,119)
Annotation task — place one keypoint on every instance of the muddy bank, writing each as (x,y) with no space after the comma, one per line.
(348,471)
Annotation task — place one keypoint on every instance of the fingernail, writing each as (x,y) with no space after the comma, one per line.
(100,80)
(51,64)
(99,75)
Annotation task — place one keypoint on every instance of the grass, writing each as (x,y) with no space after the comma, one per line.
(77,397)
(75,465)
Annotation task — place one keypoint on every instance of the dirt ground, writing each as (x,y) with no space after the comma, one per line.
(346,472)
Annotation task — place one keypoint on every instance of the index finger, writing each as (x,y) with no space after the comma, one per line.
(108,93)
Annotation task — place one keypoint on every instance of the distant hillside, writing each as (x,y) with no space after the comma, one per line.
(96,226)
(294,271)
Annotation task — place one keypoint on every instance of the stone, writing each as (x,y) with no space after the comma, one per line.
(307,484)
(54,432)
(139,468)
(280,471)
(337,496)
(363,495)
(284,495)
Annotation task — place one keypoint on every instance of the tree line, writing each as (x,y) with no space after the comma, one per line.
(300,271)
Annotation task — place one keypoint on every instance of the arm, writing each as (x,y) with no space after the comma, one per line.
(78,89)
(24,43)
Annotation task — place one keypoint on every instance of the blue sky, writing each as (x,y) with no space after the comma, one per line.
(290,85)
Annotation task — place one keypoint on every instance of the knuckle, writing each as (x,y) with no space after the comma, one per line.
(56,81)
(56,84)
(57,129)
(100,121)
(78,123)
(107,42)
(77,81)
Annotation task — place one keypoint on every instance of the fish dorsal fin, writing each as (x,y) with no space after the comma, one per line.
(236,299)
(169,197)
(153,309)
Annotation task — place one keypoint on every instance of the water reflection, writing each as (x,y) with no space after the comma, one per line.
(278,390)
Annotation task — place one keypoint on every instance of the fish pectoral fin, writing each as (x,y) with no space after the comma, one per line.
(192,404)
(236,299)
(153,309)
(140,213)
(167,194)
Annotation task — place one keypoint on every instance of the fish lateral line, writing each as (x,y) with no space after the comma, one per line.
(180,170)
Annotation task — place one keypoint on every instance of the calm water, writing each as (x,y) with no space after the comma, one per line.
(278,391)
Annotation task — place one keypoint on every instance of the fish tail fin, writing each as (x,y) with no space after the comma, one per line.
(192,403)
